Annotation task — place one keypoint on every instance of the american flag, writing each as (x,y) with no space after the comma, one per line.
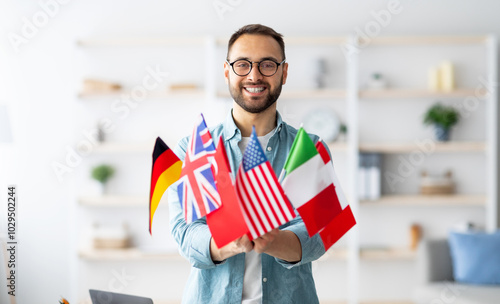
(197,191)
(265,205)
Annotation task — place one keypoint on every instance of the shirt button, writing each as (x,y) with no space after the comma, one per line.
(279,129)
(264,279)
(269,148)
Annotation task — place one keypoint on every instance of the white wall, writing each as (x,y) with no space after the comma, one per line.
(39,83)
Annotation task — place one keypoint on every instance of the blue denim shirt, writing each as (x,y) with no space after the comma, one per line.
(282,282)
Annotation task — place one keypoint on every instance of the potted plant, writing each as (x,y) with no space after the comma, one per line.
(443,118)
(102,173)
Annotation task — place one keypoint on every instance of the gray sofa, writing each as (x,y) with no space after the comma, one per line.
(436,284)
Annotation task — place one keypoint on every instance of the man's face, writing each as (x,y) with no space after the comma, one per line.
(254,92)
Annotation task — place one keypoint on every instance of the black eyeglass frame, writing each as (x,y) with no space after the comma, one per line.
(258,66)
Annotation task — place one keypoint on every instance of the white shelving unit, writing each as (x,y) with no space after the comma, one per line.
(354,100)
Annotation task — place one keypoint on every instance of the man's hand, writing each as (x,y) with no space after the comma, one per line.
(281,244)
(243,244)
(264,242)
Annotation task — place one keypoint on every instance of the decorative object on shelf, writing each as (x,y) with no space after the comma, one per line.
(180,87)
(63,301)
(111,236)
(443,118)
(101,134)
(377,82)
(434,79)
(442,77)
(324,123)
(464,226)
(447,76)
(342,133)
(321,73)
(102,174)
(437,184)
(369,171)
(100,86)
(415,235)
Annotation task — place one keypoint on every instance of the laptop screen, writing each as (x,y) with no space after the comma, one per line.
(106,297)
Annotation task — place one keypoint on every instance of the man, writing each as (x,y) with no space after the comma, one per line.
(276,267)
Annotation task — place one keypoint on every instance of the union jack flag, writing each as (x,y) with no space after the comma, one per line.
(197,191)
(265,205)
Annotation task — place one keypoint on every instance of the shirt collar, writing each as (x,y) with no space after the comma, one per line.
(231,130)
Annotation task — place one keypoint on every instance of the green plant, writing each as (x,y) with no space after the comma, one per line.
(343,128)
(102,173)
(439,114)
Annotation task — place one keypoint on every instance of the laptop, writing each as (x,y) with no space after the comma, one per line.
(106,297)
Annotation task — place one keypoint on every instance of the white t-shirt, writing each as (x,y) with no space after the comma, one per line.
(252,286)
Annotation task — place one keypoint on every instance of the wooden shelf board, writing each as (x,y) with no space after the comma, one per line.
(109,147)
(114,201)
(337,147)
(128,254)
(416,93)
(426,40)
(184,94)
(303,94)
(451,200)
(451,146)
(138,41)
(338,254)
(386,302)
(389,254)
(301,40)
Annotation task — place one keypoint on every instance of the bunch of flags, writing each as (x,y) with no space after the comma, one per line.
(256,202)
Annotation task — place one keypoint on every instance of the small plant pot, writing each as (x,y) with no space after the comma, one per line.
(442,134)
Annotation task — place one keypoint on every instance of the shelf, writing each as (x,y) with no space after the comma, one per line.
(337,147)
(302,40)
(416,93)
(389,254)
(440,147)
(335,254)
(113,148)
(128,254)
(181,94)
(427,40)
(115,201)
(137,41)
(302,94)
(452,200)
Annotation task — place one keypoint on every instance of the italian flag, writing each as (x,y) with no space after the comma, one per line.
(310,182)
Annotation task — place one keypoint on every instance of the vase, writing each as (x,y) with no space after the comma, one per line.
(442,133)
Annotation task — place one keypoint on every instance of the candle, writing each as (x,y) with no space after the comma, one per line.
(447,77)
(434,79)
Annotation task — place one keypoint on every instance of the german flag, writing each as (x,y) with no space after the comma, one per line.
(166,171)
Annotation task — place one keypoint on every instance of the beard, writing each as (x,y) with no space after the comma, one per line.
(254,107)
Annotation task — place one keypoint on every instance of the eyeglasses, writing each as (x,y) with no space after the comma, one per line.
(243,67)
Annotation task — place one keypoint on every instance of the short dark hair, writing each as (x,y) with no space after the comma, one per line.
(256,29)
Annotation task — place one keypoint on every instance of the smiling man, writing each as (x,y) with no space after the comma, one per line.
(276,267)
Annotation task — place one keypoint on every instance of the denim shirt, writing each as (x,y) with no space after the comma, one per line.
(211,283)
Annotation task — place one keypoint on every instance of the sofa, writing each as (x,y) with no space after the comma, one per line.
(436,283)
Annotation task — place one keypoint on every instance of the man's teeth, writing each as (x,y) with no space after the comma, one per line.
(255,90)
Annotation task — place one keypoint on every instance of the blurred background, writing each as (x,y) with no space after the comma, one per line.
(87,86)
